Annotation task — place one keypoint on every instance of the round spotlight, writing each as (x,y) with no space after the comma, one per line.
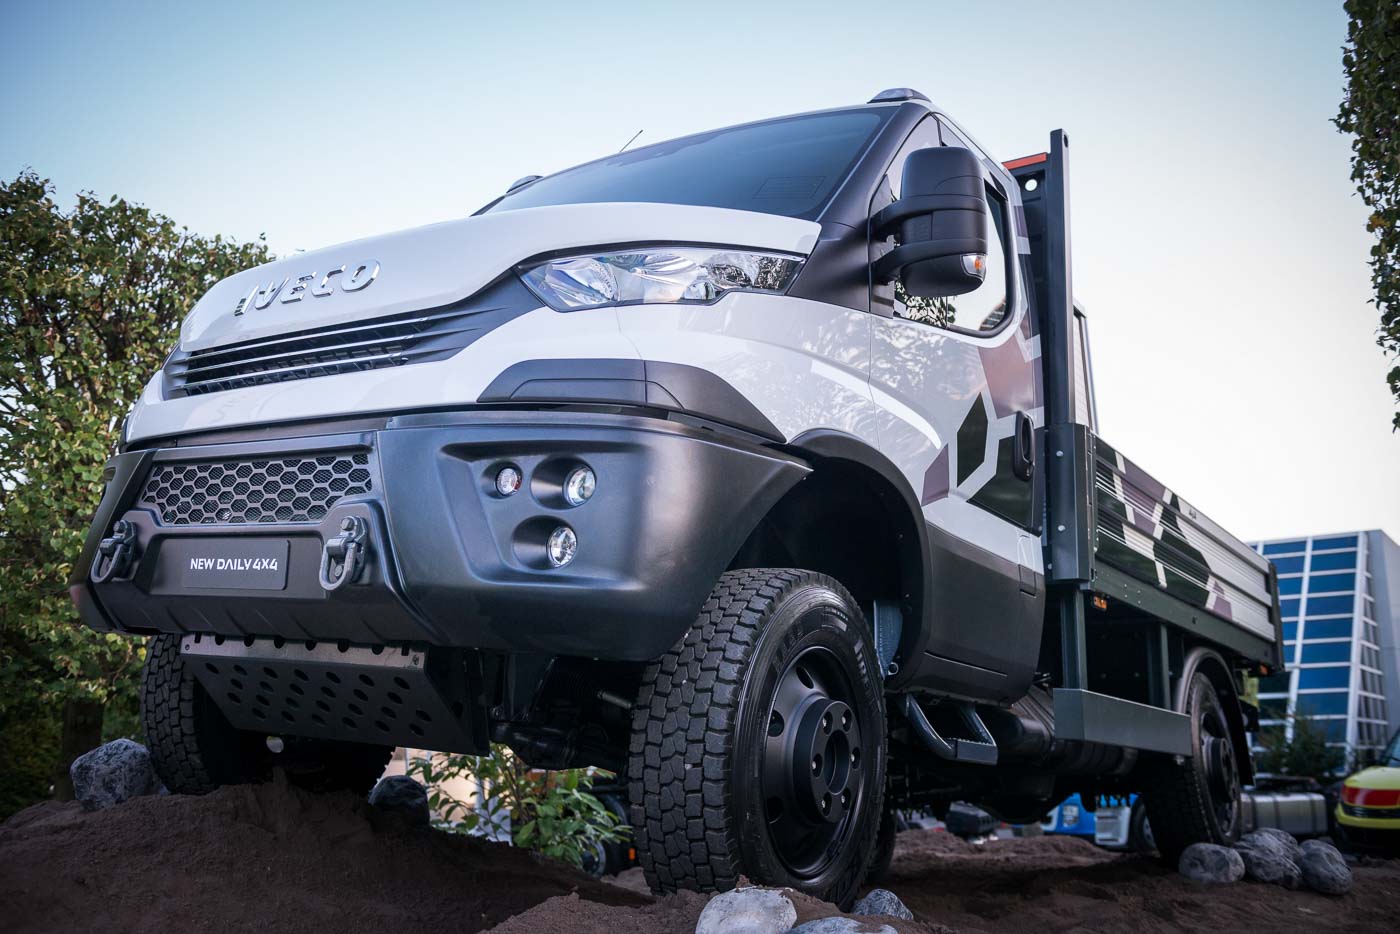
(562,546)
(507,481)
(579,486)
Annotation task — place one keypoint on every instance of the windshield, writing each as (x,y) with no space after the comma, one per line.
(789,166)
(1391,756)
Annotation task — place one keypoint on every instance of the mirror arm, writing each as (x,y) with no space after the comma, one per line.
(889,265)
(886,221)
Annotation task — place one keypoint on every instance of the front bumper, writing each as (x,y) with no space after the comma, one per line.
(449,561)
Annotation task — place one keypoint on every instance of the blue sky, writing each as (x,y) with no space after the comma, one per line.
(1219,248)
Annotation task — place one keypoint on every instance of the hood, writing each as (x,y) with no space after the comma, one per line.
(1379,777)
(427,267)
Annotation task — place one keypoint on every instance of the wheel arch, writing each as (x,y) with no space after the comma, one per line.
(1212,664)
(856,490)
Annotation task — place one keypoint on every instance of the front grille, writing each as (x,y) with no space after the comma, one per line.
(299,488)
(390,341)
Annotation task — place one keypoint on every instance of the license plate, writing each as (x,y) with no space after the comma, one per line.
(231,564)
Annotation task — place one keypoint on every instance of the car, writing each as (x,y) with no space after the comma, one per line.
(1368,812)
(760,467)
(1071,818)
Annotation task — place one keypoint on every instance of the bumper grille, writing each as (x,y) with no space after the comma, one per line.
(299,488)
(1355,810)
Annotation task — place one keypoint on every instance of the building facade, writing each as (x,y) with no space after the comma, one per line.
(1340,597)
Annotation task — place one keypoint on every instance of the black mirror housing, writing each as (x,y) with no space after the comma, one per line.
(940,223)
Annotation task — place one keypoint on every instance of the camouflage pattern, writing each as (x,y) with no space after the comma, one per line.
(1146,530)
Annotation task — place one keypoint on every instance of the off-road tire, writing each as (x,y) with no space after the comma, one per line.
(884,848)
(1178,795)
(702,723)
(195,750)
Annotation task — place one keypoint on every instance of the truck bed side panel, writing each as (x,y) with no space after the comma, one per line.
(1146,530)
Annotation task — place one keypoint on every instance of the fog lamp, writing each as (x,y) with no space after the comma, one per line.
(507,481)
(562,546)
(578,488)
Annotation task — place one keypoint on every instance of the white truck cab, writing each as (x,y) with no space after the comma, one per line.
(758,466)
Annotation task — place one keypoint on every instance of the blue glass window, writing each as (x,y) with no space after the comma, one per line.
(1328,606)
(1323,583)
(1290,586)
(1313,705)
(1327,652)
(1288,654)
(1290,632)
(1289,608)
(1336,730)
(1327,544)
(1328,629)
(1289,565)
(1337,561)
(1282,548)
(1323,678)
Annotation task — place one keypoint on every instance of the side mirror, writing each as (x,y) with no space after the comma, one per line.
(940,224)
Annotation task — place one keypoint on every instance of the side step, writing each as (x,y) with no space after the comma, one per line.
(1112,721)
(982,750)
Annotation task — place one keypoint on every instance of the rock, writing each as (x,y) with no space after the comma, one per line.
(1271,856)
(1212,863)
(402,795)
(747,911)
(112,773)
(1324,869)
(882,902)
(840,925)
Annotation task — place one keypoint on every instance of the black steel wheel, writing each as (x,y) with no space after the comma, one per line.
(758,744)
(1197,799)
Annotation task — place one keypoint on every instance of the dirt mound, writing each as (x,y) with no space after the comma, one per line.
(1059,883)
(273,858)
(264,857)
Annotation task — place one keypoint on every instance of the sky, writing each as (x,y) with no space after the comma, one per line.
(1219,248)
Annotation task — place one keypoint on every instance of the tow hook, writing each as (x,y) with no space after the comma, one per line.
(343,557)
(116,554)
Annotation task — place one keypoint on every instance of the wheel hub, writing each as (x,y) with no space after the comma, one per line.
(825,755)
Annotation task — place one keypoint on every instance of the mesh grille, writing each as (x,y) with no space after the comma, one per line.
(300,488)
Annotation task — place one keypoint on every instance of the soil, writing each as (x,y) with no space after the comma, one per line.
(273,858)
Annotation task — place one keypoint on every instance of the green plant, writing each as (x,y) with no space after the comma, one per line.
(1371,113)
(1303,753)
(91,300)
(550,812)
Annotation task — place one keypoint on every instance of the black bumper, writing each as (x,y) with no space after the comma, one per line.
(450,561)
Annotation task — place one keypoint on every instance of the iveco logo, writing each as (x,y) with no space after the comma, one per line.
(350,278)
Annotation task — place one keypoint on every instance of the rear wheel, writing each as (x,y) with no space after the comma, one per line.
(758,743)
(1197,800)
(194,748)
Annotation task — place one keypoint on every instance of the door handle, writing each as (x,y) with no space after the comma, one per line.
(1023,454)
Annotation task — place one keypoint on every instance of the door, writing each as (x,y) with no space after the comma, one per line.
(958,385)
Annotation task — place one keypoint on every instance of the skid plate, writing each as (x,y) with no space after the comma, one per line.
(389,696)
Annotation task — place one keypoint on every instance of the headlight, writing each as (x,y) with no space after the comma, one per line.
(657,274)
(1069,815)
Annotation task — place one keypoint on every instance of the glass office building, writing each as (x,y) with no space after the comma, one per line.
(1340,597)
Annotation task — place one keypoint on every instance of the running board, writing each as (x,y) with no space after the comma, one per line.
(1113,721)
(980,751)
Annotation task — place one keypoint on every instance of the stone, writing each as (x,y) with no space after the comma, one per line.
(1211,863)
(402,795)
(1271,855)
(1324,869)
(751,910)
(879,902)
(840,925)
(112,773)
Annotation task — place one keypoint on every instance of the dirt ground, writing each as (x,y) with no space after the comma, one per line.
(270,858)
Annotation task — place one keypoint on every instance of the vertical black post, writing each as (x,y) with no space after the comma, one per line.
(1159,672)
(1074,662)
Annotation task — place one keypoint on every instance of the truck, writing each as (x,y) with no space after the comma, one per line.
(759,467)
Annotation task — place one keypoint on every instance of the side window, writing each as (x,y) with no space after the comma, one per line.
(982,309)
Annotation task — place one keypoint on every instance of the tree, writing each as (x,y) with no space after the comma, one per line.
(90,303)
(1370,111)
(1304,754)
